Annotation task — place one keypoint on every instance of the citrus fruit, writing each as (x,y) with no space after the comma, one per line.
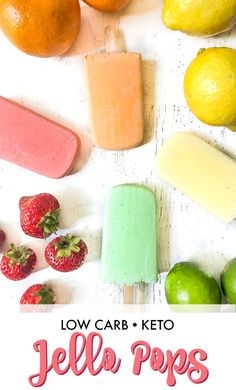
(42,28)
(186,283)
(228,281)
(210,86)
(200,17)
(107,5)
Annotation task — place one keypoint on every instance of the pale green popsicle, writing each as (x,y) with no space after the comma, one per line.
(129,250)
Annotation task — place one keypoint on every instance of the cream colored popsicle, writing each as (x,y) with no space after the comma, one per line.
(202,172)
(115,99)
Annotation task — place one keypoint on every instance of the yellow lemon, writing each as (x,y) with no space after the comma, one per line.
(210,86)
(200,17)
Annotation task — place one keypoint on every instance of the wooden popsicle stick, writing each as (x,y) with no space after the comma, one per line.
(143,293)
(114,42)
(135,294)
(128,295)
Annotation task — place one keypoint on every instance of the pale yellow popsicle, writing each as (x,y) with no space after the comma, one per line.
(202,172)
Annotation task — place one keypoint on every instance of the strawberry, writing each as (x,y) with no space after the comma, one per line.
(39,215)
(18,262)
(66,253)
(2,237)
(38,294)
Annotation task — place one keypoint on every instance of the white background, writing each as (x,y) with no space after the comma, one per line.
(56,88)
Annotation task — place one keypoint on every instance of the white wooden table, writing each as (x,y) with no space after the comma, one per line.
(56,88)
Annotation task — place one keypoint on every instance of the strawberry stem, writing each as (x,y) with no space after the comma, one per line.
(47,296)
(18,255)
(67,245)
(50,223)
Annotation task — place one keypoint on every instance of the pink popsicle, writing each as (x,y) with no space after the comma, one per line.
(34,142)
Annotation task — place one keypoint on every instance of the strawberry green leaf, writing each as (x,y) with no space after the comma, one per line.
(47,296)
(50,223)
(67,245)
(18,255)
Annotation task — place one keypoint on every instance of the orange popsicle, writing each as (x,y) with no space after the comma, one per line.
(115,99)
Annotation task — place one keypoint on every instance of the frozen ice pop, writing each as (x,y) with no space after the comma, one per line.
(129,250)
(34,142)
(115,99)
(202,172)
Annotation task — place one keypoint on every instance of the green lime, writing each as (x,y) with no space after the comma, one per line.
(228,281)
(186,283)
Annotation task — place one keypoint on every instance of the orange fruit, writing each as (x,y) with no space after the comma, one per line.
(107,5)
(42,28)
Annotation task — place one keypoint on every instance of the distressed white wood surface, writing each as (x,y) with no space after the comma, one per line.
(56,88)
